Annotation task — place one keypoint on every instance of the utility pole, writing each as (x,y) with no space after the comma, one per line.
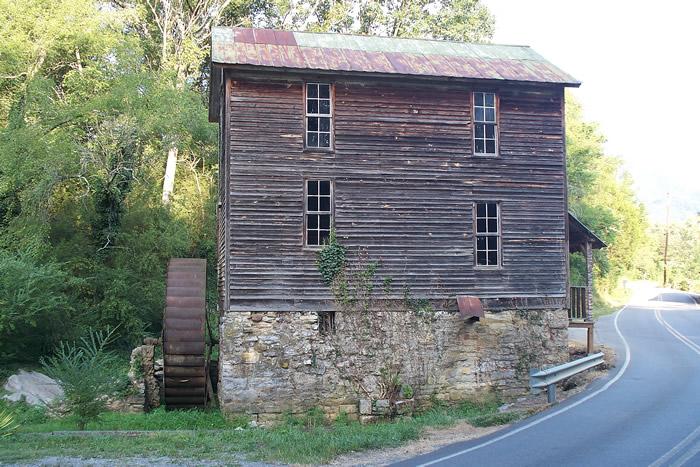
(668,209)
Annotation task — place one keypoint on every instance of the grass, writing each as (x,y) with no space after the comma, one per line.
(608,303)
(304,439)
(36,420)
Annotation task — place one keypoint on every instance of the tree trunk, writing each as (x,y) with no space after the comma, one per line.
(169,181)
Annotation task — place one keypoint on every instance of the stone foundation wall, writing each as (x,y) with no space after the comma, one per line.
(272,363)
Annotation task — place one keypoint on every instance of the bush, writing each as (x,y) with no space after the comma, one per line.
(35,308)
(86,372)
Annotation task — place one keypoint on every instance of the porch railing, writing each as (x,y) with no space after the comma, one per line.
(578,308)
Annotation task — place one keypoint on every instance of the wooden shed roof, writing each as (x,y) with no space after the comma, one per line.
(394,56)
(579,234)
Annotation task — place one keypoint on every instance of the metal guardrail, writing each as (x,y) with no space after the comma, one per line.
(551,376)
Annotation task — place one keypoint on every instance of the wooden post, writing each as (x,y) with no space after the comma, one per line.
(589,281)
(589,340)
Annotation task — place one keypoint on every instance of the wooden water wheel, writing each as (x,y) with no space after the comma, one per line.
(185,374)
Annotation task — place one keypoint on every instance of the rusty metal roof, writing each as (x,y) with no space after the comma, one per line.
(367,54)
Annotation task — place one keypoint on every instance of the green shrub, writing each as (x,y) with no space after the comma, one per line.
(86,371)
(7,424)
(23,413)
(312,418)
(35,307)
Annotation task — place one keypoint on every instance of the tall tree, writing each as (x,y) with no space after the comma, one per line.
(463,20)
(602,196)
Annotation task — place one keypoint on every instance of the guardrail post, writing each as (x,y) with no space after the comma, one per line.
(551,393)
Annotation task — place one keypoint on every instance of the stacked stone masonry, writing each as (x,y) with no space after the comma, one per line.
(274,363)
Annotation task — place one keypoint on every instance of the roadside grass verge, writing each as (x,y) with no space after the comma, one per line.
(36,420)
(301,439)
(605,304)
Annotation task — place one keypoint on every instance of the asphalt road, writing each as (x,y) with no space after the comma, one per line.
(646,412)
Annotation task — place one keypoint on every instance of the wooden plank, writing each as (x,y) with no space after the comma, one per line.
(405,181)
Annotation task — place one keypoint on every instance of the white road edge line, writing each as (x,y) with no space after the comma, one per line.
(691,437)
(607,385)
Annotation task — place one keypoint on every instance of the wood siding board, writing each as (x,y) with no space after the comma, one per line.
(404,188)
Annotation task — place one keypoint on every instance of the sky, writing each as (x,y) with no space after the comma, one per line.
(639,62)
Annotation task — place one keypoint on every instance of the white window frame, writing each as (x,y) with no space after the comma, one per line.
(498,235)
(483,107)
(317,212)
(329,115)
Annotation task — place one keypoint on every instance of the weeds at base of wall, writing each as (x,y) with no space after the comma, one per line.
(309,438)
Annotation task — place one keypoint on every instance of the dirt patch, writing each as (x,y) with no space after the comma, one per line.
(432,439)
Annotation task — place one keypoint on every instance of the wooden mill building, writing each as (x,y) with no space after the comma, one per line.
(443,161)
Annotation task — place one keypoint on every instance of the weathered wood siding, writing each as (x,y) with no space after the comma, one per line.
(222,233)
(405,183)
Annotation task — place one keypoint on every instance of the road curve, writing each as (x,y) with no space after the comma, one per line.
(645,413)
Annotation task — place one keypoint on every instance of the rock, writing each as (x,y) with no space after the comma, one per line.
(34,387)
(253,424)
(504,408)
(250,357)
(382,406)
(151,341)
(365,407)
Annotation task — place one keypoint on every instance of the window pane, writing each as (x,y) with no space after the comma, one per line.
(481,258)
(312,187)
(481,209)
(490,131)
(490,146)
(325,186)
(312,106)
(325,204)
(479,114)
(312,204)
(312,90)
(479,130)
(480,243)
(492,243)
(312,237)
(493,225)
(325,107)
(312,221)
(493,258)
(490,115)
(478,98)
(492,209)
(324,123)
(324,91)
(325,221)
(325,140)
(312,140)
(490,99)
(481,225)
(312,123)
(479,146)
(323,237)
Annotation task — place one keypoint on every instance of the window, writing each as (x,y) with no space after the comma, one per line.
(318,212)
(326,322)
(488,234)
(318,115)
(485,140)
